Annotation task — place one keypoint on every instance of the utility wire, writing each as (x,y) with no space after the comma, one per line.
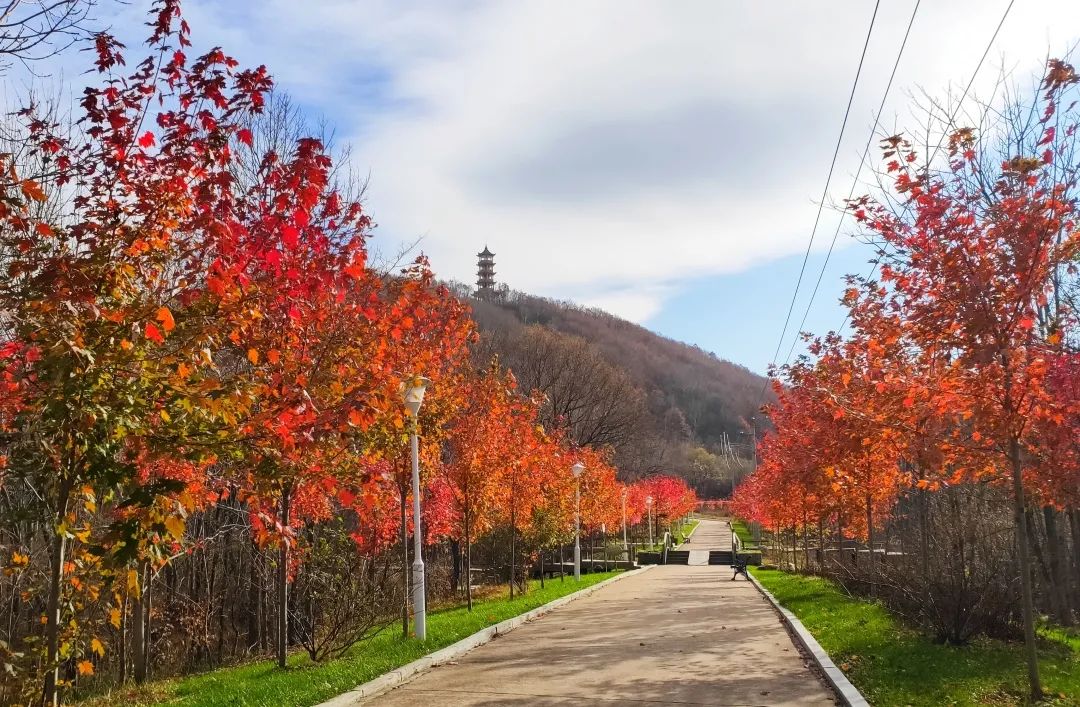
(825,191)
(855,181)
(951,124)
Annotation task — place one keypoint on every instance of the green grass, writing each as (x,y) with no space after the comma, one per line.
(684,530)
(744,534)
(892,664)
(308,683)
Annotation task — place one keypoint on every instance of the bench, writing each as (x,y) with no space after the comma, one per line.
(739,565)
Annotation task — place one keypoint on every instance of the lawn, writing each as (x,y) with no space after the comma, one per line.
(684,530)
(308,683)
(745,536)
(892,664)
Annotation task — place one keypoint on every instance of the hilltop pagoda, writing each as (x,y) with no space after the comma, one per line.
(485,274)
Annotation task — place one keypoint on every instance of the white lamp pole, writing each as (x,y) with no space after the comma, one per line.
(648,508)
(413,392)
(625,545)
(576,469)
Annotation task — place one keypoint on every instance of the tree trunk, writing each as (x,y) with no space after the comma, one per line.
(52,607)
(123,658)
(562,565)
(1023,550)
(839,540)
(806,542)
(1058,583)
(455,567)
(140,638)
(1074,528)
(541,568)
(468,562)
(513,549)
(254,597)
(924,533)
(404,566)
(283,582)
(870,544)
(821,545)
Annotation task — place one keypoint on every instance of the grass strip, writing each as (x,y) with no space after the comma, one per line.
(892,664)
(744,534)
(307,683)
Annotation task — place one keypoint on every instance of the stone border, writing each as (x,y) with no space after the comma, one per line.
(836,679)
(405,673)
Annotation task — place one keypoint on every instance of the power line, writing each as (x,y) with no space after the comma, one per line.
(825,191)
(951,123)
(855,181)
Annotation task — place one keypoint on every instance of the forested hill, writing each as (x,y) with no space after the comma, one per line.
(663,404)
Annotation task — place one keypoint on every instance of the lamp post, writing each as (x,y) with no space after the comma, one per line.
(576,469)
(625,545)
(648,508)
(413,393)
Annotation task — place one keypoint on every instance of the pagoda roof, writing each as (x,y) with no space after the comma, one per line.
(485,253)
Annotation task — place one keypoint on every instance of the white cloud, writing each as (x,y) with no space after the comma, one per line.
(607,149)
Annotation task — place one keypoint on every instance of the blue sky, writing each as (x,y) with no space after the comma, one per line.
(737,313)
(660,160)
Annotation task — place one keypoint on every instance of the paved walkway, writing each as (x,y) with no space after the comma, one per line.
(669,636)
(709,535)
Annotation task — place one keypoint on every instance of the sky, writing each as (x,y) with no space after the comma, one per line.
(661,160)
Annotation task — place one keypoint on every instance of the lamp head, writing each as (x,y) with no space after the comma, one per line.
(576,469)
(412,392)
(648,500)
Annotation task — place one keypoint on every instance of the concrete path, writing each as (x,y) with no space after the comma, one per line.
(709,535)
(671,636)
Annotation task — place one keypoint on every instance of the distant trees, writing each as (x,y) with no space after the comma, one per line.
(674,397)
(596,402)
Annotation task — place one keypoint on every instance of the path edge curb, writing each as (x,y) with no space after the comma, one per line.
(835,677)
(405,673)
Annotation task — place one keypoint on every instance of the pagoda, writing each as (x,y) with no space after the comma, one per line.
(485,274)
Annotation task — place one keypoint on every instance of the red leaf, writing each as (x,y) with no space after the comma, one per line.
(153,333)
(244,136)
(146,140)
(289,236)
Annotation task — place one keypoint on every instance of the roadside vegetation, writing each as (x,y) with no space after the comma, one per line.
(306,682)
(894,664)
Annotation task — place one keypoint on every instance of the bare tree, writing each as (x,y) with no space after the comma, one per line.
(32,30)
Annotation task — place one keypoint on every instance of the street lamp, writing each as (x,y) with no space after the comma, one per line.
(413,394)
(648,509)
(576,469)
(625,546)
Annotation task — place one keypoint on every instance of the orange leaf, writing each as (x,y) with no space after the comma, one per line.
(86,667)
(166,318)
(43,229)
(32,190)
(253,356)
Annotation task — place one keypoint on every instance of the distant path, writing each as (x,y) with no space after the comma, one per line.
(709,535)
(674,635)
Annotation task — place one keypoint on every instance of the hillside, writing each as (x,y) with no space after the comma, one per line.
(663,404)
